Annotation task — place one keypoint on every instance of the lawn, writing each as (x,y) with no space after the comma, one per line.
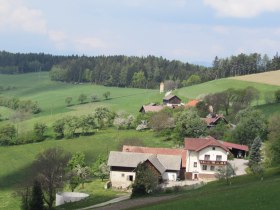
(246,192)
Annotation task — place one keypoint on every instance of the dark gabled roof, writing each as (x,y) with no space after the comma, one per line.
(212,120)
(170,96)
(158,151)
(132,159)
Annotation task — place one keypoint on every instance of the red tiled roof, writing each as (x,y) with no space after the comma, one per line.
(198,144)
(160,151)
(150,108)
(230,145)
(192,103)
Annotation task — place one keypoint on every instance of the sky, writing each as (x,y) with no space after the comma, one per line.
(187,30)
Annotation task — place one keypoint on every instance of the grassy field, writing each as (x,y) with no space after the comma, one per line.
(271,78)
(246,192)
(51,97)
(200,90)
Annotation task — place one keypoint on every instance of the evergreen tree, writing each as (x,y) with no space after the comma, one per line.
(37,202)
(255,152)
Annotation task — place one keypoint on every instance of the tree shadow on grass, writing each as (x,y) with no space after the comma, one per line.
(21,177)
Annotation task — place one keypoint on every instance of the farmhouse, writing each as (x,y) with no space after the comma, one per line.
(171,100)
(200,159)
(212,121)
(204,157)
(123,164)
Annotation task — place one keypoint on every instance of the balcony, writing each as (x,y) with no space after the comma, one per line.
(212,162)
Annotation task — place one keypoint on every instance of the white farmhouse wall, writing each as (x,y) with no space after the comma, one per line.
(121,179)
(170,176)
(213,153)
(193,156)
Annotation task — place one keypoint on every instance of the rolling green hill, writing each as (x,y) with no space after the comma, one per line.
(16,160)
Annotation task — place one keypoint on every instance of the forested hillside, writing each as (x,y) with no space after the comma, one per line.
(139,72)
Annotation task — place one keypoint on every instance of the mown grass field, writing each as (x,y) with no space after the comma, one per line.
(271,78)
(246,192)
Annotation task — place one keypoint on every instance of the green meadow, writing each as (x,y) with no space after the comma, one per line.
(200,90)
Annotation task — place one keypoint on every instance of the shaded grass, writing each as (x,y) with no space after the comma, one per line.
(269,109)
(246,192)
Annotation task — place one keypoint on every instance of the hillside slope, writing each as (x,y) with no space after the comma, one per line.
(197,91)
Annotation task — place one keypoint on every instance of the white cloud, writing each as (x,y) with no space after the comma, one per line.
(14,15)
(243,8)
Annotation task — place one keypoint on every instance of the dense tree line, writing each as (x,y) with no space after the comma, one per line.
(132,71)
(243,64)
(123,71)
(15,63)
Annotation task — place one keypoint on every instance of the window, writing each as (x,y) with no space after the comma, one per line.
(218,157)
(204,167)
(212,168)
(213,148)
(206,157)
(130,178)
(194,164)
(122,175)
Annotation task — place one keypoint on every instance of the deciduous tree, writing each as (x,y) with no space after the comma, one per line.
(50,168)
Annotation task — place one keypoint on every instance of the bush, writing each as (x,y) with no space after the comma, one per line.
(277,96)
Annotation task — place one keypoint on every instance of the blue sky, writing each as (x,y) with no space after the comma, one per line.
(187,30)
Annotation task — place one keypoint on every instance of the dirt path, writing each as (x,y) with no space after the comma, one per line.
(137,202)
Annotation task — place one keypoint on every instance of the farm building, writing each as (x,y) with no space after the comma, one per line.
(204,157)
(171,100)
(123,164)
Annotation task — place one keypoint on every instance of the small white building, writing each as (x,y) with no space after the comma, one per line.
(204,157)
(123,165)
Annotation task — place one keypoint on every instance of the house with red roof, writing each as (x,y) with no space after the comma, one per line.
(204,156)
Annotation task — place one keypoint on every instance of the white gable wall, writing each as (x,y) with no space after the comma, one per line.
(121,178)
(193,156)
(213,153)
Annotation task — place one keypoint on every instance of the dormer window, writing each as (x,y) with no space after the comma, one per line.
(213,148)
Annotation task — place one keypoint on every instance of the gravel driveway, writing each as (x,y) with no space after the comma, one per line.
(240,165)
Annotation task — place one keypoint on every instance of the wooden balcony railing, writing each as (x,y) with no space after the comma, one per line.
(211,162)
